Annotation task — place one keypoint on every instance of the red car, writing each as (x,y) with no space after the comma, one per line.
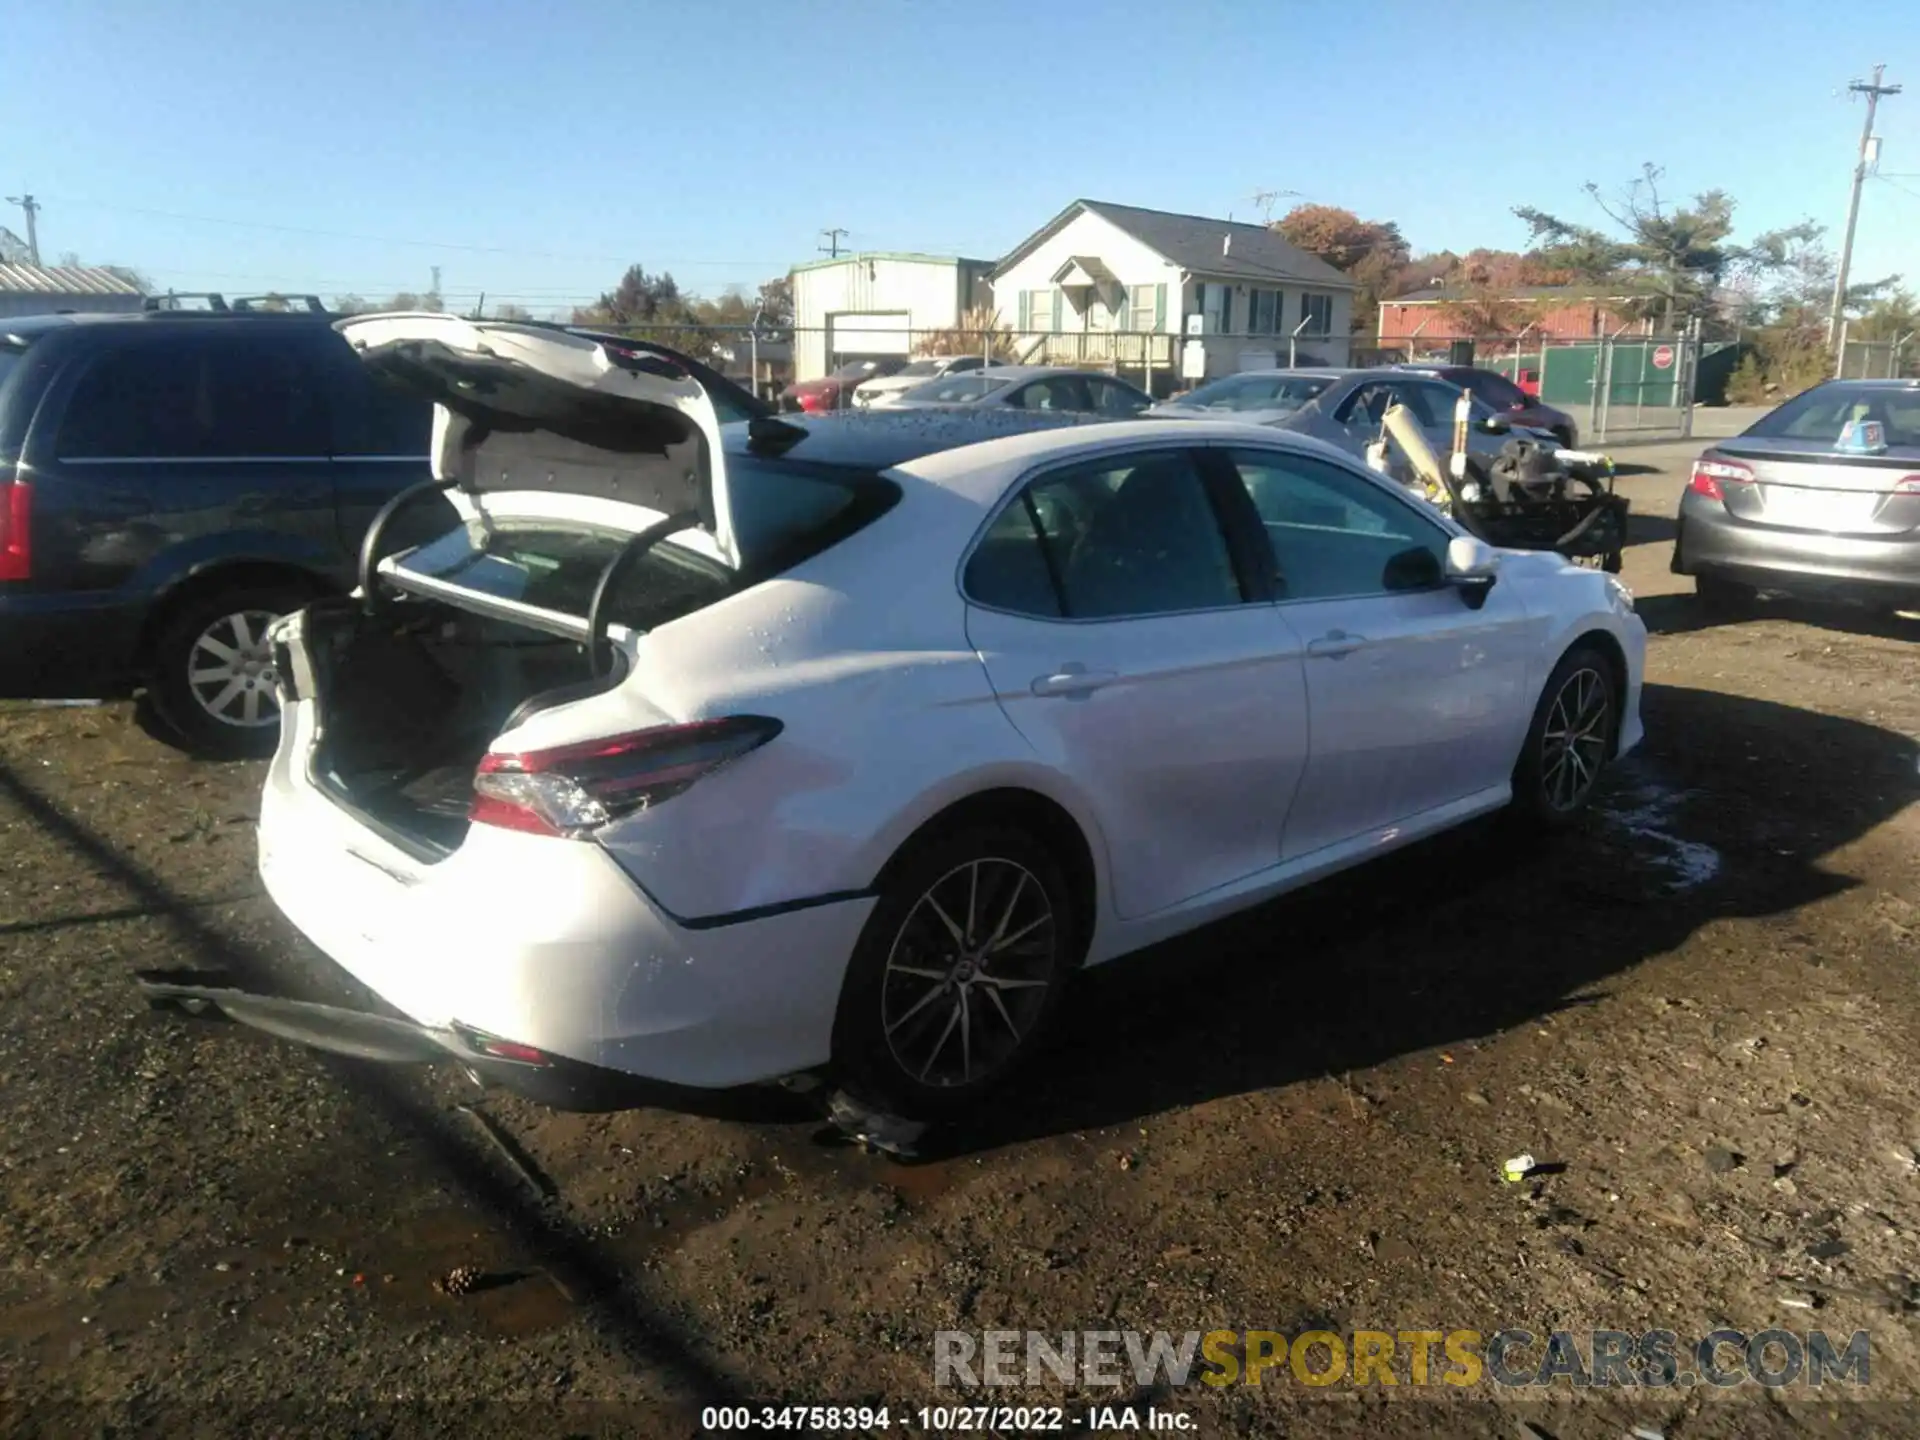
(835,391)
(1520,405)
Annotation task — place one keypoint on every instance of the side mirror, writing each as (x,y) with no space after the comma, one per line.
(1495,425)
(1472,567)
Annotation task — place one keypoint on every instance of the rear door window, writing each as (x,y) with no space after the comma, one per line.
(378,421)
(1130,535)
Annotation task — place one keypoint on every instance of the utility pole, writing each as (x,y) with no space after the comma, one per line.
(32,208)
(1873,90)
(833,238)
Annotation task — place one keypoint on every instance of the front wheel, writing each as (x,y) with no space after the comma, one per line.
(957,974)
(1574,731)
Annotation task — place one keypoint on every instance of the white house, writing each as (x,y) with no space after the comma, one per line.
(1169,299)
(867,306)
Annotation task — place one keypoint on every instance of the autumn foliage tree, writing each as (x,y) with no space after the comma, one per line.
(1371,253)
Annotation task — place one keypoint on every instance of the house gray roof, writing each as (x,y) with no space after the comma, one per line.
(63,280)
(1227,248)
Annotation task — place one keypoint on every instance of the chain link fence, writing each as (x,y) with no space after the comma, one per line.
(1616,388)
(1879,359)
(1622,387)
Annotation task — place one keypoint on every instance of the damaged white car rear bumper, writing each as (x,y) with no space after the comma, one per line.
(550,944)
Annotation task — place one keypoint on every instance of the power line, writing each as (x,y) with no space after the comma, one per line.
(396,240)
(1873,90)
(833,238)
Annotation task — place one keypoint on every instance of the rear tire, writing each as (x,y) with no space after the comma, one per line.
(1723,597)
(1575,729)
(958,973)
(212,679)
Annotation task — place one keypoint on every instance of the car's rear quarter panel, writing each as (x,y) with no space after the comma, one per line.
(862,654)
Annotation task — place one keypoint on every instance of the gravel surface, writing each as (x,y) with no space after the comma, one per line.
(1698,1013)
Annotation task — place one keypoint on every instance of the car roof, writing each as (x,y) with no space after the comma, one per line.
(982,471)
(881,439)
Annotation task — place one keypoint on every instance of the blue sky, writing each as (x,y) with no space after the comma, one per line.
(532,151)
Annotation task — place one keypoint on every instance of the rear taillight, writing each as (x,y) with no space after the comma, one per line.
(1909,486)
(572,790)
(16,530)
(1710,477)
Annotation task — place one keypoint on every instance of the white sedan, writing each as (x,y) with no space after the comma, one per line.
(698,759)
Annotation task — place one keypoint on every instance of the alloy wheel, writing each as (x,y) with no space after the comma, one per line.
(230,670)
(1573,744)
(967,977)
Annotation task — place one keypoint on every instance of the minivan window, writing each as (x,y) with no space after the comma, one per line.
(376,419)
(247,398)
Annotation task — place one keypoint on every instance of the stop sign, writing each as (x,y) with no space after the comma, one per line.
(1663,357)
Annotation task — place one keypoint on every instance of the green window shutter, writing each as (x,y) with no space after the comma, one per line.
(1123,319)
(1056,309)
(1159,308)
(1026,309)
(1226,309)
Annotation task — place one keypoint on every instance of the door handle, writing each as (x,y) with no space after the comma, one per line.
(1335,644)
(1073,680)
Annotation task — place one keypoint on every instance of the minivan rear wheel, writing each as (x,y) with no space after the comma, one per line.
(213,679)
(958,973)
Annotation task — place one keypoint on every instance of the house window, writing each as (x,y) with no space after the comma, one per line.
(1036,310)
(1317,311)
(1264,312)
(1216,305)
(1142,306)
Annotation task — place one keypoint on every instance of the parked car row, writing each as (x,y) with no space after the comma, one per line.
(626,640)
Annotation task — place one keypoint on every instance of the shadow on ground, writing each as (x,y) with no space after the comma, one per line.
(1684,613)
(1468,934)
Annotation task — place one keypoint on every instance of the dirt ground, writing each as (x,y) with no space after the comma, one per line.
(1693,1013)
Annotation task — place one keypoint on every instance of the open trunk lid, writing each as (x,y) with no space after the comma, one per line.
(552,418)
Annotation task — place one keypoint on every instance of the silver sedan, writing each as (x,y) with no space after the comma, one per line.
(1033,387)
(1821,495)
(1344,407)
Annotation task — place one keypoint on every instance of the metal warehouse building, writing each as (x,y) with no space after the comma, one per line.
(869,306)
(48,289)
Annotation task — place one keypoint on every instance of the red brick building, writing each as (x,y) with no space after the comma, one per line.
(1556,312)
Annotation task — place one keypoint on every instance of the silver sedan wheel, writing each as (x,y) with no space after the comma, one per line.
(230,670)
(967,977)
(1573,745)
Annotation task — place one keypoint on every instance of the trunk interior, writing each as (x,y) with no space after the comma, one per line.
(410,700)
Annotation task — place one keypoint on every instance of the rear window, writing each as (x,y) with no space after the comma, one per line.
(1822,413)
(783,513)
(10,358)
(556,568)
(961,388)
(1256,392)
